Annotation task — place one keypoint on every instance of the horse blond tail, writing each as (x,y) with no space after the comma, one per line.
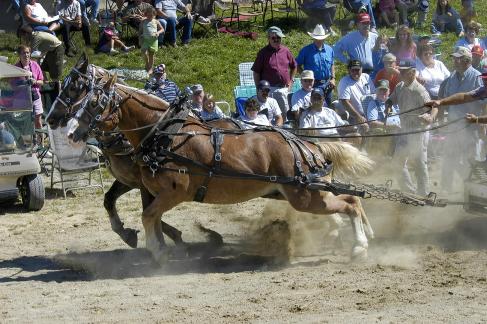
(348,161)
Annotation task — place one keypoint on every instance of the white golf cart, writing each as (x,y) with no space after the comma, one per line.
(19,166)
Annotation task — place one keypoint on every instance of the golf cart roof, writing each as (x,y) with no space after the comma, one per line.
(12,71)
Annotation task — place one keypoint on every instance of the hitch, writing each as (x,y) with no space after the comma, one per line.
(339,189)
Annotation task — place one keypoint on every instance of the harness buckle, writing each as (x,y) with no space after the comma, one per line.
(98,117)
(273,178)
(218,157)
(182,171)
(153,167)
(145,158)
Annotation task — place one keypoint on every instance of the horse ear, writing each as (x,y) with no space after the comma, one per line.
(82,63)
(111,81)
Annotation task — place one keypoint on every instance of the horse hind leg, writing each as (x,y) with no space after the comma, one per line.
(327,203)
(128,235)
(353,208)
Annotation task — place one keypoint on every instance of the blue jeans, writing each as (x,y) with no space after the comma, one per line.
(170,24)
(85,4)
(451,25)
(354,6)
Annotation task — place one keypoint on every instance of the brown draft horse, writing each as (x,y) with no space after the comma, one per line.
(259,153)
(120,163)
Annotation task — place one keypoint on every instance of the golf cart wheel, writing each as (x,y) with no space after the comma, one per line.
(32,192)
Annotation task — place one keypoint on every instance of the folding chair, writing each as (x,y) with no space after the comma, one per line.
(226,110)
(251,10)
(246,75)
(365,100)
(244,91)
(73,163)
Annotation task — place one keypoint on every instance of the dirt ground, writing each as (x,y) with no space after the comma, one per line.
(64,264)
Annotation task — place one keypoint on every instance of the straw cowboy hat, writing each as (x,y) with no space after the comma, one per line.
(319,33)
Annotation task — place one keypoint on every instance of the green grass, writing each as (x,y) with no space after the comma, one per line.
(213,60)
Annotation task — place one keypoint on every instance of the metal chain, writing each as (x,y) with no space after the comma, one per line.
(385,192)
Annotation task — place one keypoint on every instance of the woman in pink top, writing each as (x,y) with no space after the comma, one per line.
(403,46)
(36,80)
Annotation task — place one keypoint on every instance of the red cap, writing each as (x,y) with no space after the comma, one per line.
(477,50)
(363,18)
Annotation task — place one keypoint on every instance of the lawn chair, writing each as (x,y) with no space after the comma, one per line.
(73,163)
(251,10)
(246,75)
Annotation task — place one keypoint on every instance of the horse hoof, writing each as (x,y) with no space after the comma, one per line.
(180,251)
(161,257)
(130,237)
(359,253)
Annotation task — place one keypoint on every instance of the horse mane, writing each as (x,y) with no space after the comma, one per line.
(149,100)
(347,160)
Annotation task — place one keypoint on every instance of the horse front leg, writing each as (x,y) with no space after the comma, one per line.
(117,189)
(173,233)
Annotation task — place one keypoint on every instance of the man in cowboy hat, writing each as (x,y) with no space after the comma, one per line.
(318,57)
(276,64)
(358,45)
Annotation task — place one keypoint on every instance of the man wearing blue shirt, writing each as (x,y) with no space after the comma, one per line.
(358,45)
(318,57)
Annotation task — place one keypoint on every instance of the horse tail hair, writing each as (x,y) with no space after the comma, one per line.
(348,161)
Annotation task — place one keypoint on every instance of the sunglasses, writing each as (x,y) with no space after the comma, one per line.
(251,109)
(265,90)
(307,80)
(276,38)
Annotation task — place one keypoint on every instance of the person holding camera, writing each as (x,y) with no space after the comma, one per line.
(36,80)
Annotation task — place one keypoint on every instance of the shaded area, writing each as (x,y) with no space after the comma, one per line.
(130,263)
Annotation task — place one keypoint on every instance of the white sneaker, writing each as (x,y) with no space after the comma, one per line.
(114,51)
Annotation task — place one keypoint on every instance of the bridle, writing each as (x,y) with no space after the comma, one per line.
(85,82)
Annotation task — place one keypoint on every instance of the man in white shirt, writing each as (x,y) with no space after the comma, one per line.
(319,116)
(268,106)
(352,88)
(301,99)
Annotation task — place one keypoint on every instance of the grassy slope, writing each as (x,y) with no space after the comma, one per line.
(213,61)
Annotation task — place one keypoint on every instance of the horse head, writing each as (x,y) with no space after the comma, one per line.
(79,82)
(99,111)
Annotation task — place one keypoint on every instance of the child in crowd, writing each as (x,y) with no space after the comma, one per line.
(389,72)
(252,107)
(389,16)
(404,47)
(109,41)
(149,31)
(445,18)
(380,49)
(210,109)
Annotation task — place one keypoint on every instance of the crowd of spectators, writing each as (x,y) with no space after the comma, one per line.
(398,74)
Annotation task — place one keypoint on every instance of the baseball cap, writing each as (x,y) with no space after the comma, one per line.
(318,91)
(197,88)
(276,30)
(406,64)
(354,63)
(363,18)
(461,51)
(382,84)
(389,57)
(264,84)
(477,50)
(160,69)
(307,75)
